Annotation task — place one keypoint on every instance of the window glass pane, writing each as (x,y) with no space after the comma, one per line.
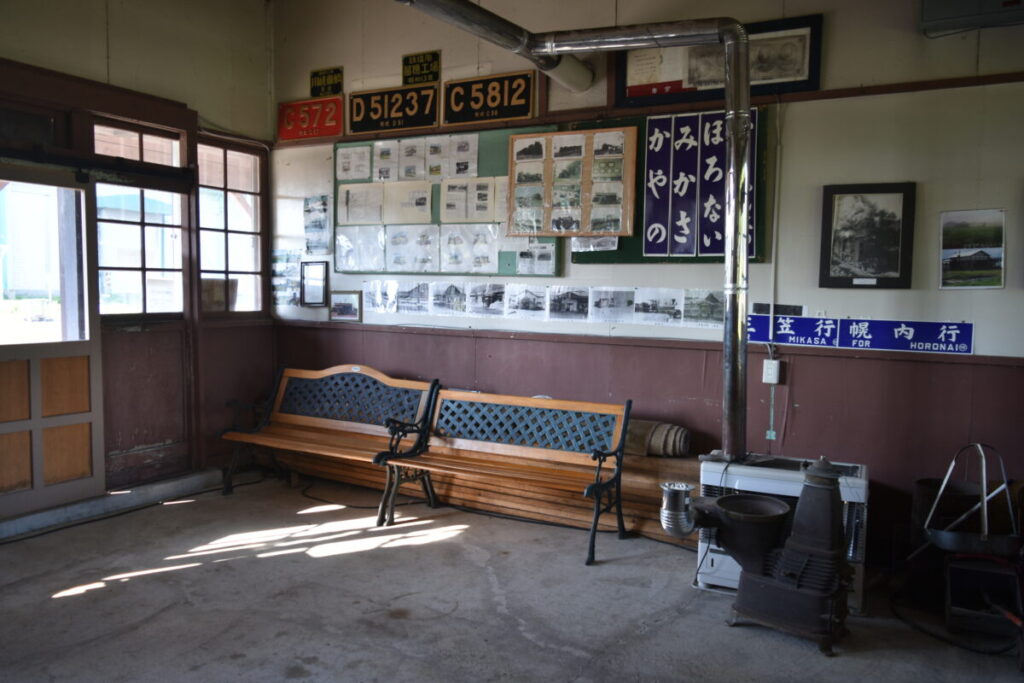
(163,292)
(42,298)
(116,142)
(243,252)
(163,248)
(242,212)
(160,150)
(211,208)
(120,245)
(244,292)
(118,202)
(211,166)
(243,172)
(162,207)
(211,250)
(120,291)
(213,293)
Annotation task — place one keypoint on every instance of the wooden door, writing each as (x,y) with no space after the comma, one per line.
(51,399)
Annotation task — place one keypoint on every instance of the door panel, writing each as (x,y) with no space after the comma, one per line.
(51,400)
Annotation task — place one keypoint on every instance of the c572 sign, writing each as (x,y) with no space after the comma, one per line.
(504,97)
(393,109)
(310,119)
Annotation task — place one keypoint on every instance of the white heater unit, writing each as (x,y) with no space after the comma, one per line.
(782,478)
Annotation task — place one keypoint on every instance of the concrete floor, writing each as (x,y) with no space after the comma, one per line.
(268,585)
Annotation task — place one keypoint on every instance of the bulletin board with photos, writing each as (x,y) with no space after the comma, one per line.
(573,183)
(432,204)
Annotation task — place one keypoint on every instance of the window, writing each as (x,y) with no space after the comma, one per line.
(41,264)
(139,250)
(230,232)
(137,145)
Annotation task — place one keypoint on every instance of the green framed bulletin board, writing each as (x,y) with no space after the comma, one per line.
(631,249)
(492,160)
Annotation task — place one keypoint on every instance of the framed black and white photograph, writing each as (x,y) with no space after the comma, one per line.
(313,283)
(347,306)
(972,249)
(785,57)
(867,236)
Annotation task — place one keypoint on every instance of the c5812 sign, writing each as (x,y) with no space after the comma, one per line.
(392,109)
(493,98)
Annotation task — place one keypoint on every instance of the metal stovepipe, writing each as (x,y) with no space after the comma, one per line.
(554,53)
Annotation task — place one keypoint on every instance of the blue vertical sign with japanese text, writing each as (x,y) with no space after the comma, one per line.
(684,185)
(855,333)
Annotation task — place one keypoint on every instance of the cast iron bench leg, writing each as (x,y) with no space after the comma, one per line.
(428,489)
(598,499)
(382,510)
(618,508)
(228,473)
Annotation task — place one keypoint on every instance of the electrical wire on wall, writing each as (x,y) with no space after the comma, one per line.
(774,287)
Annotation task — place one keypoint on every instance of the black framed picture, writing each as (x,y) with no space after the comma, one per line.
(785,57)
(867,235)
(313,283)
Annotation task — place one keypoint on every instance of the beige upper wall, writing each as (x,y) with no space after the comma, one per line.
(867,42)
(212,55)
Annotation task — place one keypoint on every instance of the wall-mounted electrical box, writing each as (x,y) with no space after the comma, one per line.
(771,371)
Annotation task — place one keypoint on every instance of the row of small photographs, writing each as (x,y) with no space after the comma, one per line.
(568,171)
(567,220)
(569,146)
(639,306)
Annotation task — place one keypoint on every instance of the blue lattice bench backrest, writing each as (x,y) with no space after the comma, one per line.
(353,398)
(548,429)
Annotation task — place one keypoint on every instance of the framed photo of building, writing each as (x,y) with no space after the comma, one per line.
(313,283)
(572,183)
(972,249)
(867,236)
(346,307)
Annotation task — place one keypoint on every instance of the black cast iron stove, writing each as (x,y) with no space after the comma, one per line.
(798,586)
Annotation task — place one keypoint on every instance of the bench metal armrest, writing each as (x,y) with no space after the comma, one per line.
(601,456)
(260,410)
(399,430)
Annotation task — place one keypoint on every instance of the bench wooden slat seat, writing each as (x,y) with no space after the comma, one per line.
(346,412)
(547,443)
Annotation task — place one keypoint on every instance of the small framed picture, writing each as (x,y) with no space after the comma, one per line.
(867,236)
(972,248)
(313,283)
(347,306)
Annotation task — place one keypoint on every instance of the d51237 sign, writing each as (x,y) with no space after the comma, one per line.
(371,111)
(494,98)
(310,119)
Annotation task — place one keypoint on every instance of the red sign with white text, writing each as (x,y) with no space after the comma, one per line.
(305,119)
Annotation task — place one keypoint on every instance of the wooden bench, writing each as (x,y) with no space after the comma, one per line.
(341,413)
(529,443)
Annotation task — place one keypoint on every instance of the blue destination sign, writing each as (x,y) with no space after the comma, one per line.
(879,335)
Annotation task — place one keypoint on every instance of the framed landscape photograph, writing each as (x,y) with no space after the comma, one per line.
(867,236)
(972,249)
(346,307)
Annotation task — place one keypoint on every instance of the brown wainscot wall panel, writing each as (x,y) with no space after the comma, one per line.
(15,461)
(14,393)
(144,404)
(903,415)
(235,363)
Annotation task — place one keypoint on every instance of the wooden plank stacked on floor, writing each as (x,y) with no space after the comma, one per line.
(641,494)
